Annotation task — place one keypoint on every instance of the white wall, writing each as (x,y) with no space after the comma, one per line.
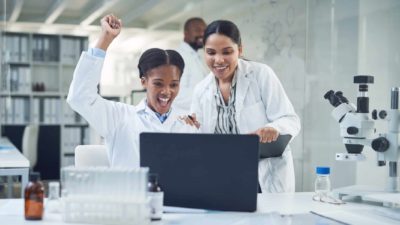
(331,63)
(275,34)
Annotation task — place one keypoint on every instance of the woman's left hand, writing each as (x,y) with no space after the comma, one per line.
(267,134)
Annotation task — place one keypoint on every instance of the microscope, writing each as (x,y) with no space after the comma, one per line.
(357,128)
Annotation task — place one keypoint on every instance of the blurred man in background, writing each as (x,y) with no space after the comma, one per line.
(195,69)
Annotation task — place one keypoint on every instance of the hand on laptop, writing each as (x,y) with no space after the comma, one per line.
(266,134)
(191,120)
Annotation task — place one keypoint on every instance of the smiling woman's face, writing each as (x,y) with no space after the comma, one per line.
(221,55)
(162,86)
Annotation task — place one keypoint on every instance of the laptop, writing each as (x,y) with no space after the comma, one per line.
(204,171)
(275,148)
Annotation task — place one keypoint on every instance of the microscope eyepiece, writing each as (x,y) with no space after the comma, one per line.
(335,98)
(328,94)
(340,96)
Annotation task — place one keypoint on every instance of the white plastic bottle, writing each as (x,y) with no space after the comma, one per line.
(322,182)
(53,201)
(156,197)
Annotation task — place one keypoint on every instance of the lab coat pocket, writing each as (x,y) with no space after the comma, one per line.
(253,116)
(273,175)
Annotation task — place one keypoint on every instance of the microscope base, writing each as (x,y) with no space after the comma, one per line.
(369,193)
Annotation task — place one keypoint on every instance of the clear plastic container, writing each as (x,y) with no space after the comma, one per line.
(103,195)
(53,204)
(322,182)
(98,210)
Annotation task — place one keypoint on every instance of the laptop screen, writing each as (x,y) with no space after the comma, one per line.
(207,171)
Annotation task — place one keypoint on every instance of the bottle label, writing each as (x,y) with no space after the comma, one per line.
(156,205)
(33,209)
(38,197)
(322,186)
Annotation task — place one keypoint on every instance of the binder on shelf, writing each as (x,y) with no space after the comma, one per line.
(3,110)
(71,48)
(35,110)
(24,49)
(15,52)
(46,50)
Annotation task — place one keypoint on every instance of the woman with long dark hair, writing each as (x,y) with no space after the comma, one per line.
(245,97)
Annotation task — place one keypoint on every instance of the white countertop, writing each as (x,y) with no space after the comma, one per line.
(10,156)
(270,206)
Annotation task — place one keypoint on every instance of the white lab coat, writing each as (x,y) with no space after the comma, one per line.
(260,101)
(193,73)
(120,124)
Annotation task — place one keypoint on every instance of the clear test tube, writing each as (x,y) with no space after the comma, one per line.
(81,184)
(113,179)
(138,182)
(108,179)
(139,177)
(102,179)
(144,183)
(134,182)
(130,187)
(130,184)
(121,178)
(126,183)
(96,187)
(71,183)
(84,182)
(134,177)
(90,186)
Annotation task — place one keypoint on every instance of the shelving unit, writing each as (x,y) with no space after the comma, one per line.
(38,71)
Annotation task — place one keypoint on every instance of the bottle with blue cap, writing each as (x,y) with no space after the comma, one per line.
(322,182)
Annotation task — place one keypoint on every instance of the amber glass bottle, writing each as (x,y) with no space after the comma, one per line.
(34,193)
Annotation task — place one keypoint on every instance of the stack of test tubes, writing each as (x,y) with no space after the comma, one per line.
(105,195)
